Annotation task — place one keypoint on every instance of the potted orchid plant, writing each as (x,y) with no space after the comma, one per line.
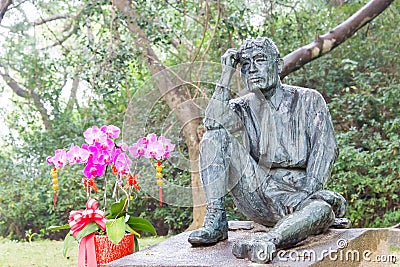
(100,157)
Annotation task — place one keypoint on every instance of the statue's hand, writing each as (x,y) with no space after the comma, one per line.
(229,62)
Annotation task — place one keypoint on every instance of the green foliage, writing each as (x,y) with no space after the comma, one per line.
(367,172)
(140,224)
(116,229)
(360,80)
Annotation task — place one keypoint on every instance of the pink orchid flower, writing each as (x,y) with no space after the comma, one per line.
(167,146)
(105,152)
(93,170)
(111,131)
(138,149)
(94,135)
(115,154)
(123,146)
(59,159)
(122,163)
(154,150)
(77,154)
(151,138)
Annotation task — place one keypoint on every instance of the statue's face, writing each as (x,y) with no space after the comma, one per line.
(260,71)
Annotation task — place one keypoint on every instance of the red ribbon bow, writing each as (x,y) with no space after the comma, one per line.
(78,219)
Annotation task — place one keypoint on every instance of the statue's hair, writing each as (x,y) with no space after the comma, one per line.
(266,44)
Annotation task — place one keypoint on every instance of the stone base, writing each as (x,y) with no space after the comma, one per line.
(336,247)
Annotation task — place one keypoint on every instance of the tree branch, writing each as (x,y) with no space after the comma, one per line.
(4,4)
(72,96)
(14,85)
(327,42)
(19,91)
(51,18)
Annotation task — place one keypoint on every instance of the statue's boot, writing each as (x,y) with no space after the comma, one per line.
(258,249)
(215,228)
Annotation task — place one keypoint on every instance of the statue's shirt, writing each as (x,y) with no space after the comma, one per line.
(293,129)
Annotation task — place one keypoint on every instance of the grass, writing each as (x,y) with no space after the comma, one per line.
(47,253)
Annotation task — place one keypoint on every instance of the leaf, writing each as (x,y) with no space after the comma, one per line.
(87,230)
(68,242)
(58,227)
(136,243)
(117,209)
(132,231)
(137,223)
(115,229)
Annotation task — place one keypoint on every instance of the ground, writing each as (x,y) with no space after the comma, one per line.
(46,253)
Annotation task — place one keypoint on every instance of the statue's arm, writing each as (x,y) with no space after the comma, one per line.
(323,145)
(218,113)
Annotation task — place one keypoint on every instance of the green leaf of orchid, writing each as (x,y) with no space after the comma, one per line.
(58,227)
(68,243)
(116,229)
(87,230)
(137,223)
(131,230)
(117,209)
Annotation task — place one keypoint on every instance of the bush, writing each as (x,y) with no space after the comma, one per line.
(368,168)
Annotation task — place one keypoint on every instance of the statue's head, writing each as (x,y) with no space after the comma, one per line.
(260,64)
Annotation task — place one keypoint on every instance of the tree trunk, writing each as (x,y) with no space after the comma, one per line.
(177,98)
(4,4)
(325,43)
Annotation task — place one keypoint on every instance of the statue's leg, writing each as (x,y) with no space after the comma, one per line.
(215,153)
(337,201)
(314,217)
(224,164)
(338,204)
(214,165)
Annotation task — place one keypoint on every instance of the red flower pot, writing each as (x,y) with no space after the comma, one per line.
(106,251)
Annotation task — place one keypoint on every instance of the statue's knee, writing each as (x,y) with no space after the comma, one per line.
(335,200)
(324,206)
(322,209)
(215,139)
(216,133)
(214,148)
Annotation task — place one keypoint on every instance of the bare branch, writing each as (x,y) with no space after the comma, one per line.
(72,96)
(51,18)
(17,5)
(24,93)
(60,41)
(327,42)
(4,4)
(66,28)
(14,85)
(183,12)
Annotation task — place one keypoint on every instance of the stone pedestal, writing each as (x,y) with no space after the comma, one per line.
(337,247)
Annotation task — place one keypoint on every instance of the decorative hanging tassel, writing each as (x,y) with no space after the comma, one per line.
(160,195)
(55,186)
(159,180)
(55,199)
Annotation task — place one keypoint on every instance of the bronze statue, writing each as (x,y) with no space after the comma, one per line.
(276,177)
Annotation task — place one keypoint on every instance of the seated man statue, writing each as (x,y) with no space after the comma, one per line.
(276,177)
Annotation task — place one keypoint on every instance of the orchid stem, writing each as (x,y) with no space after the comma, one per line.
(105,189)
